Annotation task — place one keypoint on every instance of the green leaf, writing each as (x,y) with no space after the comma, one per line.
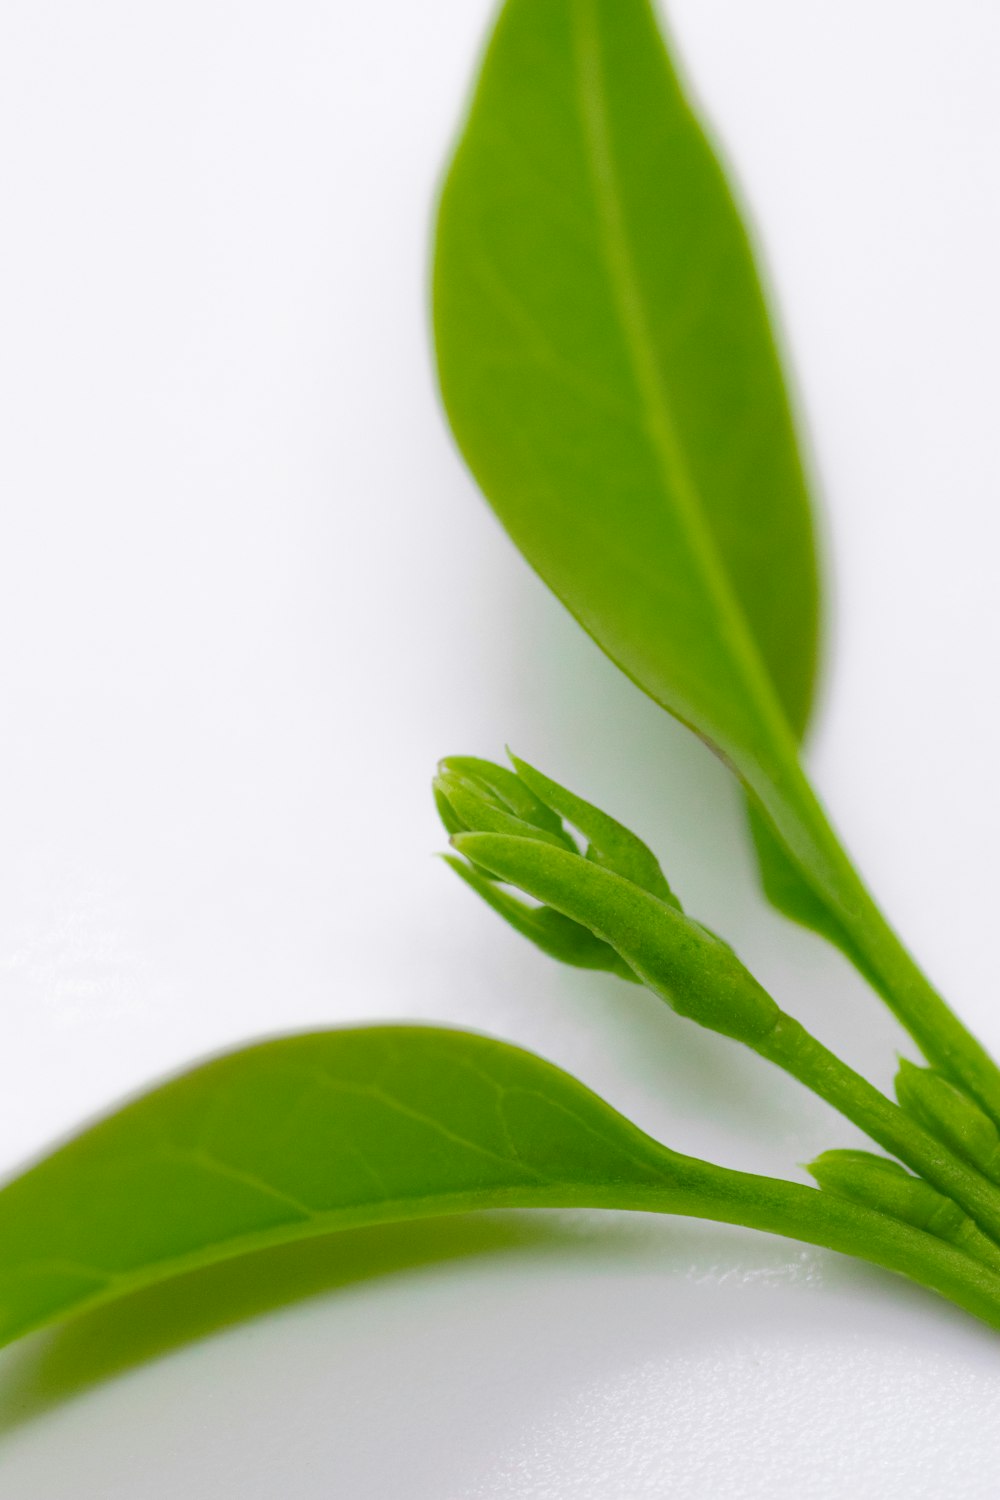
(299,1137)
(310,1134)
(607,364)
(608,367)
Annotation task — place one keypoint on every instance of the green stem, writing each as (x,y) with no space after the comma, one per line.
(944,1040)
(792,1048)
(940,1035)
(822,1219)
(674,1184)
(701,977)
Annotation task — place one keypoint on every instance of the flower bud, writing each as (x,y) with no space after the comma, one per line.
(473,806)
(609,843)
(950,1115)
(696,973)
(609,907)
(879,1183)
(473,794)
(557,935)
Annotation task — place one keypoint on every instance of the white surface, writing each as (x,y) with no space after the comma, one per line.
(247,597)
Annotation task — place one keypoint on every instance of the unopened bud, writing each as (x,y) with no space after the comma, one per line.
(696,973)
(876,1182)
(555,934)
(506,787)
(950,1115)
(473,806)
(609,843)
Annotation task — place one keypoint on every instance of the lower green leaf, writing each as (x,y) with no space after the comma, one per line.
(309,1134)
(297,1137)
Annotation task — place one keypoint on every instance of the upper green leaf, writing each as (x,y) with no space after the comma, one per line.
(608,368)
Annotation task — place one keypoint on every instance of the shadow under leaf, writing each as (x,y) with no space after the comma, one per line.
(58,1364)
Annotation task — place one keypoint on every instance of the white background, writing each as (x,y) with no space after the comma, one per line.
(248,595)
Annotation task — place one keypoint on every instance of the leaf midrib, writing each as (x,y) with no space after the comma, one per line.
(660,425)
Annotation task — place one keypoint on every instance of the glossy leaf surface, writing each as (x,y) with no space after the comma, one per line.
(608,368)
(299,1137)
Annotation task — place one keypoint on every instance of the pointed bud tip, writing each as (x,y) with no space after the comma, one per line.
(907,1072)
(466,841)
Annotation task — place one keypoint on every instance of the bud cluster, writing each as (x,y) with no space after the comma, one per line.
(603,902)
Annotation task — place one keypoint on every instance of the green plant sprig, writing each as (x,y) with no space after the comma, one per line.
(607,890)
(302,1136)
(609,370)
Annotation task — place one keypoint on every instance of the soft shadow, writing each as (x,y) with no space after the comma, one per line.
(56,1365)
(59,1364)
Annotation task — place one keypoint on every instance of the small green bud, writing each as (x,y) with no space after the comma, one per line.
(473,794)
(877,1182)
(696,973)
(609,908)
(558,936)
(473,806)
(609,843)
(449,817)
(506,787)
(950,1115)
